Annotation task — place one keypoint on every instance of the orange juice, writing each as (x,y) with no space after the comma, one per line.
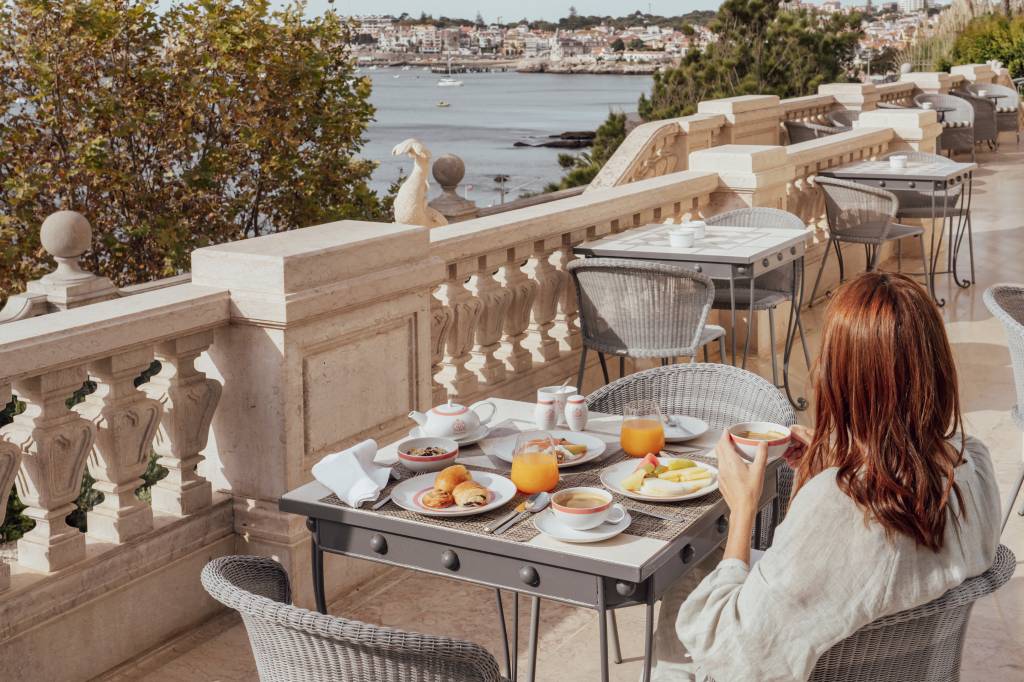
(642,436)
(535,471)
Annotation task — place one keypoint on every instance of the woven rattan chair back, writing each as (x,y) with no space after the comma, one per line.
(1006,302)
(843,118)
(985,129)
(291,644)
(850,206)
(641,309)
(962,112)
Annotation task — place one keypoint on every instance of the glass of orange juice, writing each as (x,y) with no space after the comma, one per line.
(643,431)
(534,463)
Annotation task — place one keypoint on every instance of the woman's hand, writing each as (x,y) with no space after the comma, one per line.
(802,437)
(741,484)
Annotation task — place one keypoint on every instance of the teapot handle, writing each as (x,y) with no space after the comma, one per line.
(486,403)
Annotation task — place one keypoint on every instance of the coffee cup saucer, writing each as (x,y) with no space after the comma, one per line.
(548,524)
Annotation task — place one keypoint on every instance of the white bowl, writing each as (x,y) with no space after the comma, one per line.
(748,446)
(898,161)
(682,237)
(421,464)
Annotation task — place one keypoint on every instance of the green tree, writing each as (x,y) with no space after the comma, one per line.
(583,167)
(214,121)
(636,44)
(617,45)
(992,36)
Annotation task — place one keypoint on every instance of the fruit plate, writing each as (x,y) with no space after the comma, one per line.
(613,476)
(407,494)
(595,447)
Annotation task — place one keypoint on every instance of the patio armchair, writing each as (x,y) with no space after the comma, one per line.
(860,214)
(802,131)
(843,118)
(1007,108)
(957,125)
(771,288)
(639,309)
(291,643)
(1006,302)
(984,117)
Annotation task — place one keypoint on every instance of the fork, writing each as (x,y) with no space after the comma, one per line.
(399,473)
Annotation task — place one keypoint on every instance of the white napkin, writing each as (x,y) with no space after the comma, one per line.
(352,475)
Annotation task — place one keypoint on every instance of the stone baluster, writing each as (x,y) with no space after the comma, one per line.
(466,309)
(189,400)
(517,318)
(10,460)
(55,442)
(126,423)
(568,332)
(541,342)
(441,318)
(495,301)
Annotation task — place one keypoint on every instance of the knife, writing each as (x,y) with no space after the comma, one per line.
(656,515)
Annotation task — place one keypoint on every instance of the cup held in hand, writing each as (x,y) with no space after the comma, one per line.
(748,435)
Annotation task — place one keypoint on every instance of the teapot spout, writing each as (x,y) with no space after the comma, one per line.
(418,417)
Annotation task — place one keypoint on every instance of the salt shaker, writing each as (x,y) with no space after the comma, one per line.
(576,412)
(544,416)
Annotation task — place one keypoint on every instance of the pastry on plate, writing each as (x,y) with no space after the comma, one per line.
(450,477)
(437,499)
(470,494)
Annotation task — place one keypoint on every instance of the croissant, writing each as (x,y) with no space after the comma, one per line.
(451,477)
(470,494)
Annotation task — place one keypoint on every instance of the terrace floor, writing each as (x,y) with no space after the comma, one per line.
(995,644)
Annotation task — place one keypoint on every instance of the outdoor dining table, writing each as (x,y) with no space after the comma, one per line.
(725,253)
(933,178)
(634,568)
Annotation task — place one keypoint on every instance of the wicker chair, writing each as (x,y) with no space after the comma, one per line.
(1006,302)
(771,288)
(957,125)
(1007,108)
(861,215)
(802,131)
(293,644)
(985,129)
(922,644)
(843,118)
(638,309)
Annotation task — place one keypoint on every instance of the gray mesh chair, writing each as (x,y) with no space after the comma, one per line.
(1006,302)
(923,644)
(1007,107)
(639,309)
(802,131)
(291,644)
(771,288)
(957,125)
(861,215)
(842,118)
(984,117)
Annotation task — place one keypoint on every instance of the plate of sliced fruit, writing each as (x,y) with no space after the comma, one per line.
(572,448)
(661,479)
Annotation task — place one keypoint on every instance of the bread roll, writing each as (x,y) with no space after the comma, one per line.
(470,494)
(451,477)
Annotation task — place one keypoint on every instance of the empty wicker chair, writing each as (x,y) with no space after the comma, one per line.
(641,309)
(1006,302)
(984,117)
(923,644)
(771,288)
(957,125)
(290,643)
(861,215)
(800,131)
(1007,107)
(843,118)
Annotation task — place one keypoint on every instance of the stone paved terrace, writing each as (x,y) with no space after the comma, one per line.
(994,651)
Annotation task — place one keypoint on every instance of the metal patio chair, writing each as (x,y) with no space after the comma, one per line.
(957,125)
(984,117)
(843,118)
(860,214)
(291,644)
(1006,302)
(637,309)
(802,131)
(1007,108)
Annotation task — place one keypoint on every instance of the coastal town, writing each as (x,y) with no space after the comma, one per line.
(613,46)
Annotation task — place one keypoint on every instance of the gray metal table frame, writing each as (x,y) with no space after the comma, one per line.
(878,174)
(789,250)
(538,572)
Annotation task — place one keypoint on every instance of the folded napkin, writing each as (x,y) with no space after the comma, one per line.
(352,475)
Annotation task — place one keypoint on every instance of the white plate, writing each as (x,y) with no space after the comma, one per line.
(547,523)
(468,439)
(595,447)
(407,494)
(613,475)
(687,428)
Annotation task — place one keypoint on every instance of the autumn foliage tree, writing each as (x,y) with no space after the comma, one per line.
(213,121)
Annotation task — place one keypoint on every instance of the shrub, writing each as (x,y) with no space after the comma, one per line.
(993,36)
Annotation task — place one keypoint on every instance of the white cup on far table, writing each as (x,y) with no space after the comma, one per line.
(699,228)
(898,161)
(682,237)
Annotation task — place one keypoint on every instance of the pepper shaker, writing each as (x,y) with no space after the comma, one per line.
(576,412)
(544,416)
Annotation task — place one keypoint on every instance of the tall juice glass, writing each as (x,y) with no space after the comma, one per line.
(534,463)
(643,431)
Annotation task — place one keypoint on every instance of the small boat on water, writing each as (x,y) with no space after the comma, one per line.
(443,104)
(396,76)
(448,81)
(406,67)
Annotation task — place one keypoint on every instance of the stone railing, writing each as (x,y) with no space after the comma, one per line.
(899,93)
(809,109)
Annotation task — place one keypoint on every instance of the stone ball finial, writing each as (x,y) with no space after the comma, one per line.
(66,234)
(449,170)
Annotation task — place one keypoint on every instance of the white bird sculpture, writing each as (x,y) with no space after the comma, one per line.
(411,202)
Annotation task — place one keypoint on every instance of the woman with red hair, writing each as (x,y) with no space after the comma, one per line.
(892,506)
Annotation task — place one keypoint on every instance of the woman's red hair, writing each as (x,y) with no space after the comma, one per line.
(887,401)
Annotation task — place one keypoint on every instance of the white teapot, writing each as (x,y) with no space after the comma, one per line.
(452,420)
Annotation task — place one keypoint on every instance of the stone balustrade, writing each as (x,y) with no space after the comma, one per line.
(809,109)
(900,93)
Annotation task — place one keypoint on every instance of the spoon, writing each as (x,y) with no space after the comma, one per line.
(534,504)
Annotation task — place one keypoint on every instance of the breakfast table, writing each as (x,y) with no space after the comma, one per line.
(662,543)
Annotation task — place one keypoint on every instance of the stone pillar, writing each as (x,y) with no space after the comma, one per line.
(852,96)
(749,119)
(929,82)
(979,74)
(915,129)
(10,460)
(448,171)
(55,442)
(329,343)
(126,422)
(749,175)
(701,130)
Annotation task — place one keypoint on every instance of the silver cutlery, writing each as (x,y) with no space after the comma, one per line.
(521,507)
(656,515)
(532,507)
(398,473)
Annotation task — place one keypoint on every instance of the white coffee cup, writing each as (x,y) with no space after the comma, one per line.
(699,228)
(559,394)
(898,161)
(584,518)
(682,237)
(927,105)
(982,93)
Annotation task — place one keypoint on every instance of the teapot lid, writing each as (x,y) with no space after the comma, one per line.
(450,409)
